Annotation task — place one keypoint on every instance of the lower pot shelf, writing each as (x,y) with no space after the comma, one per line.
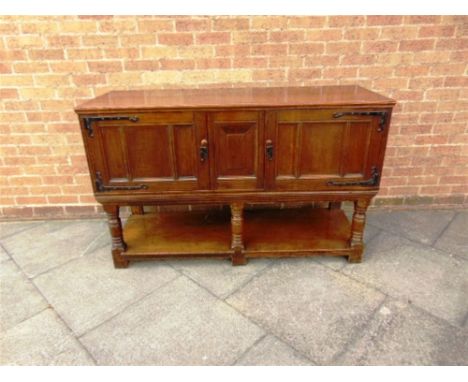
(266,233)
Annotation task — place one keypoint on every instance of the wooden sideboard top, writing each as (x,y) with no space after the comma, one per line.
(352,95)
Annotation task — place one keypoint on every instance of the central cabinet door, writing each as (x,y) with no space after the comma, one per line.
(236,144)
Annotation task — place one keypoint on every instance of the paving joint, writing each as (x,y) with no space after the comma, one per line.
(443,231)
(50,306)
(126,307)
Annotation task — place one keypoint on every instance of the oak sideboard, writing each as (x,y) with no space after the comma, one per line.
(231,148)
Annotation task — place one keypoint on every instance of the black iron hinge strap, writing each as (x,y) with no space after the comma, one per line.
(88,121)
(382,114)
(100,187)
(372,181)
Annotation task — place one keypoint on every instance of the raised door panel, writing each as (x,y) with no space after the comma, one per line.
(315,150)
(236,143)
(157,152)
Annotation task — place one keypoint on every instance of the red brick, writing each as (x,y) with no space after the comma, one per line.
(416,45)
(269,75)
(437,31)
(230,24)
(105,66)
(269,49)
(190,25)
(213,38)
(304,74)
(175,38)
(452,44)
(307,21)
(346,21)
(141,65)
(306,48)
(362,34)
(287,36)
(232,50)
(423,19)
(343,47)
(153,26)
(247,62)
(168,64)
(379,47)
(213,63)
(46,54)
(384,20)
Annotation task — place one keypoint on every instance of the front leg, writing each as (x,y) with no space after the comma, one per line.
(357,230)
(115,228)
(238,258)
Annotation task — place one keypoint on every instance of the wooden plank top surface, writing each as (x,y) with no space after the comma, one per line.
(352,95)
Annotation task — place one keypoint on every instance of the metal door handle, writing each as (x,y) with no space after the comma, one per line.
(203,150)
(269,149)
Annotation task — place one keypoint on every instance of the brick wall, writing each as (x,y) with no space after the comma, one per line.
(49,64)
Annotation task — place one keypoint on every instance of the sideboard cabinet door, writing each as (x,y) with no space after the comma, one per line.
(236,149)
(147,151)
(324,149)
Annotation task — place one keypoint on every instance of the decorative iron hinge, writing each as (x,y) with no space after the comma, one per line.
(382,114)
(372,181)
(88,121)
(100,187)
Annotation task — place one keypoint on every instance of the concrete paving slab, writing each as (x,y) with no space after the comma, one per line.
(51,244)
(421,226)
(219,276)
(3,255)
(10,228)
(270,351)
(89,290)
(429,278)
(401,334)
(19,299)
(178,324)
(455,238)
(42,340)
(310,307)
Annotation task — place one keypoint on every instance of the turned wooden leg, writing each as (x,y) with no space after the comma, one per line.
(137,210)
(357,230)
(238,258)
(334,205)
(115,227)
